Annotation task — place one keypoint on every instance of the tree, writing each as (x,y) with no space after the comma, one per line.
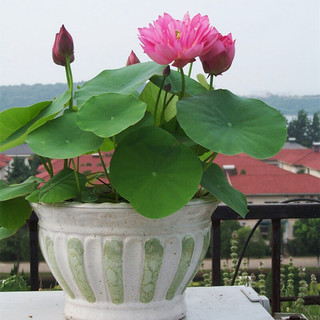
(256,248)
(299,128)
(20,171)
(306,237)
(314,130)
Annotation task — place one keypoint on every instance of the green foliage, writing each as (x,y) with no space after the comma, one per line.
(306,237)
(227,121)
(170,146)
(215,181)
(304,130)
(16,248)
(160,168)
(14,283)
(227,228)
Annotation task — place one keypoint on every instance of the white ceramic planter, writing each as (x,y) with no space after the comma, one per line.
(115,264)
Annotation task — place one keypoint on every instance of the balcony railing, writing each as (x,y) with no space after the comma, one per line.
(273,212)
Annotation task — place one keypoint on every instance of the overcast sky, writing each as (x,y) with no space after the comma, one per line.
(277,41)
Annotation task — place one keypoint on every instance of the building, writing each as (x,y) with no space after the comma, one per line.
(4,165)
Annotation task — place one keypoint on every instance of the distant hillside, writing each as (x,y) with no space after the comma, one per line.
(290,105)
(25,95)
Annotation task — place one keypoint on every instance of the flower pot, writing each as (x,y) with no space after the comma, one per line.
(115,264)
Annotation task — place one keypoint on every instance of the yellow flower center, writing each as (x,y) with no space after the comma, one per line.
(178,34)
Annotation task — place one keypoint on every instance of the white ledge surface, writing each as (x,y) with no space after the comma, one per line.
(204,303)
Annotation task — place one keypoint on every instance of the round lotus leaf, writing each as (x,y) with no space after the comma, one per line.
(61,138)
(228,124)
(155,172)
(110,113)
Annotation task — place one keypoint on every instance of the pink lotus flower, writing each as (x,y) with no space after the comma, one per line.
(220,56)
(133,59)
(179,41)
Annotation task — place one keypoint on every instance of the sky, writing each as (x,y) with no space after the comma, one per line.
(277,41)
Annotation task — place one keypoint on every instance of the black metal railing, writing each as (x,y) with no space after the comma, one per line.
(273,212)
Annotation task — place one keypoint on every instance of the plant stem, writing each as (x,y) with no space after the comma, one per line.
(190,69)
(76,175)
(70,81)
(183,84)
(157,101)
(46,167)
(209,161)
(211,82)
(103,164)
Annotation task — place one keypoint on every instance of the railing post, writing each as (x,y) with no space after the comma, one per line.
(216,254)
(276,241)
(34,258)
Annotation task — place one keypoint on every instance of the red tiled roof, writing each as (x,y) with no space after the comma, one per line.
(258,177)
(263,178)
(304,157)
(87,163)
(4,160)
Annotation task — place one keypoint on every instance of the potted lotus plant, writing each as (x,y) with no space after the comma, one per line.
(125,242)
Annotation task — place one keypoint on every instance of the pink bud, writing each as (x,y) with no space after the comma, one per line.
(62,47)
(219,57)
(133,59)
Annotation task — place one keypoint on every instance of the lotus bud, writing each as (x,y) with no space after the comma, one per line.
(167,87)
(62,37)
(166,71)
(133,59)
(64,43)
(220,56)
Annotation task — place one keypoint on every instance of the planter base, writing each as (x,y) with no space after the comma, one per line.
(162,310)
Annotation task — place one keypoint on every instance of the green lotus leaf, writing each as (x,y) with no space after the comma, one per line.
(192,87)
(155,172)
(18,190)
(225,123)
(6,233)
(14,213)
(150,95)
(62,186)
(61,138)
(124,80)
(110,113)
(33,117)
(215,181)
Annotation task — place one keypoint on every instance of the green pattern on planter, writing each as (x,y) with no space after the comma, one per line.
(184,263)
(153,251)
(113,250)
(206,240)
(76,262)
(55,268)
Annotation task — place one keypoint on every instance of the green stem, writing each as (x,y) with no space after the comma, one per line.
(209,161)
(183,84)
(65,163)
(190,69)
(70,80)
(211,82)
(46,167)
(164,107)
(107,174)
(76,176)
(50,166)
(103,165)
(157,101)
